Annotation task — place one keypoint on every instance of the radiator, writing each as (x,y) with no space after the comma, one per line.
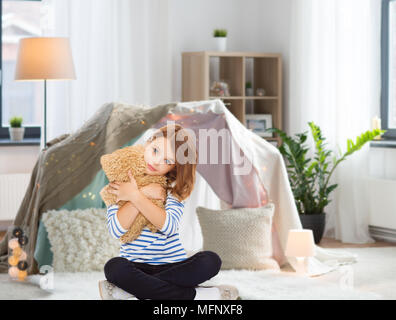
(12,190)
(382,219)
(383,234)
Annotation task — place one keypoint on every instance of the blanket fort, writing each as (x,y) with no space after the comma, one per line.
(248,170)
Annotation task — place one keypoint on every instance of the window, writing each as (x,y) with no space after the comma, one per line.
(20,19)
(388,68)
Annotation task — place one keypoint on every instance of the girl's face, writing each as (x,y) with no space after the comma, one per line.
(159,156)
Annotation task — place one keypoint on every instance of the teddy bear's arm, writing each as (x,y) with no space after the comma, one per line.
(140,223)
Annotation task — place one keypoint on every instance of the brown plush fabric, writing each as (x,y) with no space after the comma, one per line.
(116,166)
(70,162)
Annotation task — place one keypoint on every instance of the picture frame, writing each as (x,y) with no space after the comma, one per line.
(258,123)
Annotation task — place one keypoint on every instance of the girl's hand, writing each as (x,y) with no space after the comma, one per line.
(124,190)
(154,191)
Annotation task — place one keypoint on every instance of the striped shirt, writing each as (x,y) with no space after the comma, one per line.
(161,247)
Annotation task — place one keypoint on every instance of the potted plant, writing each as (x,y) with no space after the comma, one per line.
(16,130)
(220,38)
(310,178)
(249,88)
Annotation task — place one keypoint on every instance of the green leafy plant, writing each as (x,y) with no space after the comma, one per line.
(16,122)
(310,178)
(248,85)
(219,33)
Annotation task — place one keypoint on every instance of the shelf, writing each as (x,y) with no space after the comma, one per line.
(232,54)
(229,69)
(261,98)
(245,97)
(236,107)
(225,97)
(271,138)
(269,107)
(263,70)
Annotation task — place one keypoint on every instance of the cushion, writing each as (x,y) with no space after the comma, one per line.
(241,237)
(80,240)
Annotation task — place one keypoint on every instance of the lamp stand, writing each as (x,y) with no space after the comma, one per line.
(45,115)
(301,266)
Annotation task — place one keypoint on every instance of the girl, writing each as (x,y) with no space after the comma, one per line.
(155,265)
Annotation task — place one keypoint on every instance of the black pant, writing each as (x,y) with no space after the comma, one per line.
(170,281)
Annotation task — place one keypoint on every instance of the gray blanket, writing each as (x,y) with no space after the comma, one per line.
(70,162)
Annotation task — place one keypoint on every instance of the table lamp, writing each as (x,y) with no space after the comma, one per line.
(300,244)
(44,58)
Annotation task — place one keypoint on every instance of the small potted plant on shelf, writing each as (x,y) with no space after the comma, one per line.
(310,178)
(16,130)
(220,38)
(249,88)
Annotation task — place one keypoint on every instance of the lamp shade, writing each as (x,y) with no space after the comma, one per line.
(44,58)
(300,243)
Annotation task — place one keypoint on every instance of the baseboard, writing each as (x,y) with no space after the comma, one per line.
(383,234)
(4,224)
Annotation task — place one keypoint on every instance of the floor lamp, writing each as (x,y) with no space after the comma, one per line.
(44,58)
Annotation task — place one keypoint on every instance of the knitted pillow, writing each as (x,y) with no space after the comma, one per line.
(241,237)
(80,240)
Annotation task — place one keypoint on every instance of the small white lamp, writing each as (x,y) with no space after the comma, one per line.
(44,58)
(300,244)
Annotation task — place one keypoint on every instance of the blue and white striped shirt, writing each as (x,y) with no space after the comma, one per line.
(161,247)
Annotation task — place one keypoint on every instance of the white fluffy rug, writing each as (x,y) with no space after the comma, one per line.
(372,277)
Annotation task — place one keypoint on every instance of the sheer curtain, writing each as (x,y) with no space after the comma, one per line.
(335,82)
(121,53)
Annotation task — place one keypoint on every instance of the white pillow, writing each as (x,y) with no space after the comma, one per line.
(80,240)
(241,237)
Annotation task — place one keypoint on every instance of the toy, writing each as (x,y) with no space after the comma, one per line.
(116,166)
(16,254)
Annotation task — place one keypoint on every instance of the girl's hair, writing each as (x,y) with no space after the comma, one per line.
(183,174)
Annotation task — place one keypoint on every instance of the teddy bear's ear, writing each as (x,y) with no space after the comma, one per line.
(109,165)
(104,160)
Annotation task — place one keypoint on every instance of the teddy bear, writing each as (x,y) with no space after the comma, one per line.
(116,166)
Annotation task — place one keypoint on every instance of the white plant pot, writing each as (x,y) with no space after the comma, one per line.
(16,134)
(220,43)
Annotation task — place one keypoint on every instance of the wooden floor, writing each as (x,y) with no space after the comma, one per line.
(329,243)
(332,243)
